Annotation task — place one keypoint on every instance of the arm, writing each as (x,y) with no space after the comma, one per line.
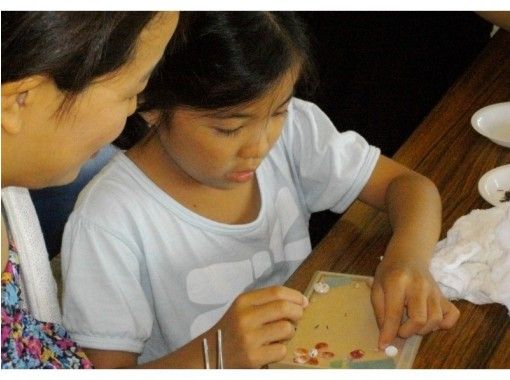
(254,329)
(402,280)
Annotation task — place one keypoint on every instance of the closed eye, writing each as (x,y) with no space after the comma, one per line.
(281,113)
(228,132)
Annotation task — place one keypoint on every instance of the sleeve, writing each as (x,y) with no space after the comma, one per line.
(330,168)
(104,304)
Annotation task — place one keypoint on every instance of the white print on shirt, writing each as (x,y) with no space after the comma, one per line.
(222,283)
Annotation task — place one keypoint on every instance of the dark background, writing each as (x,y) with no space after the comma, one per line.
(382,72)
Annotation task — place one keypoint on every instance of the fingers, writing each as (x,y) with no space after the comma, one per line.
(258,322)
(434,315)
(417,316)
(276,310)
(450,314)
(275,293)
(268,305)
(394,307)
(270,342)
(427,311)
(377,298)
(276,332)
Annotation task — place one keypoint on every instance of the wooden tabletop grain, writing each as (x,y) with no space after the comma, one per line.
(446,149)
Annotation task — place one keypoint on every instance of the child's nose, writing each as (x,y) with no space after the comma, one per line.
(257,147)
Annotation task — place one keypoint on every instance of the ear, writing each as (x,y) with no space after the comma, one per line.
(151,117)
(15,96)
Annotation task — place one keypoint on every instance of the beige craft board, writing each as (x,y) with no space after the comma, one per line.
(343,319)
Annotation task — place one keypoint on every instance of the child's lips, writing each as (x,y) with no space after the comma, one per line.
(242,176)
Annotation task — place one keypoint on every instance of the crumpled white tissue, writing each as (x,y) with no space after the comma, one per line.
(473,261)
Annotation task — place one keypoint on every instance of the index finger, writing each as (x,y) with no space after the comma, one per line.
(394,307)
(276,293)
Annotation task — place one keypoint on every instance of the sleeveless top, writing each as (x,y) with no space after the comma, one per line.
(26,341)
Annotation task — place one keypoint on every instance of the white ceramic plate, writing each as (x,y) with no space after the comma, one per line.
(493,122)
(494,183)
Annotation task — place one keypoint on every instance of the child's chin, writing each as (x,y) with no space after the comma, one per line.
(65,179)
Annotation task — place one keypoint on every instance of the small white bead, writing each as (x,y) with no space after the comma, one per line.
(313,353)
(321,287)
(391,351)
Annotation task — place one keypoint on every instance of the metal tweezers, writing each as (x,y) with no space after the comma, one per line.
(219,349)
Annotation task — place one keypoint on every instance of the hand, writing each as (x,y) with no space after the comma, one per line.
(400,287)
(256,325)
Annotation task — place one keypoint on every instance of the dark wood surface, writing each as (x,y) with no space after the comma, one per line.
(446,149)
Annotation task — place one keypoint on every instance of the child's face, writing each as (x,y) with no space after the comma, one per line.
(223,151)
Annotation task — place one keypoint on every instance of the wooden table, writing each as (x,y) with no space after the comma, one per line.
(446,149)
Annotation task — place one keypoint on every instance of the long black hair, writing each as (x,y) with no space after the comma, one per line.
(72,48)
(220,60)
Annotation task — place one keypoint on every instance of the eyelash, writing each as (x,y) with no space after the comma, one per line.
(228,132)
(281,113)
(233,132)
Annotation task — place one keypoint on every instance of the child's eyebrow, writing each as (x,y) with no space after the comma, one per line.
(240,115)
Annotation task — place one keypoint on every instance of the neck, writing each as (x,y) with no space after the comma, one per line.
(6,181)
(238,205)
(150,156)
(13,167)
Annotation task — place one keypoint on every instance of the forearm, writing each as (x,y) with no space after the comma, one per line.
(403,282)
(414,208)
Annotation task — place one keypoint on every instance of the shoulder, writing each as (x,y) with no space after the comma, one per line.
(114,191)
(306,115)
(302,109)
(306,122)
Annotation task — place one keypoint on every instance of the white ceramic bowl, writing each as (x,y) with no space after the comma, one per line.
(494,183)
(493,122)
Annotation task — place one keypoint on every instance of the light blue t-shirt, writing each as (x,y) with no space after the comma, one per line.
(144,274)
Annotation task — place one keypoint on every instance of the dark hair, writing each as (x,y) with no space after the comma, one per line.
(220,60)
(72,48)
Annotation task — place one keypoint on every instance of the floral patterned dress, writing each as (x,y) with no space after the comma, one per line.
(27,342)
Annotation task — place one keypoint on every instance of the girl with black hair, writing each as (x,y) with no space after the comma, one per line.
(69,81)
(207,215)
